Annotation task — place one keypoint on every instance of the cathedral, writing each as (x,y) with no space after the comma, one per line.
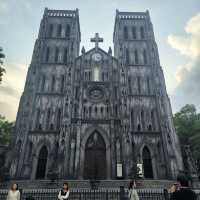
(95,114)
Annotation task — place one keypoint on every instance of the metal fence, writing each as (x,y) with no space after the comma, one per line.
(91,194)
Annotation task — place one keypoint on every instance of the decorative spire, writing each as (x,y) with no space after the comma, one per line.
(110,51)
(83,50)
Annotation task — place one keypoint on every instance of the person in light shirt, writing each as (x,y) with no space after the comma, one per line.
(132,192)
(13,193)
(64,193)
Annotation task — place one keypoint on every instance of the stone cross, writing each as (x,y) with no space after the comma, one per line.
(96,39)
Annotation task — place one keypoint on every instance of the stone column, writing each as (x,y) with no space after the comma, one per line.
(77,155)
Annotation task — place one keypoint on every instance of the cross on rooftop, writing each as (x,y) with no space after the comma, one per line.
(96,39)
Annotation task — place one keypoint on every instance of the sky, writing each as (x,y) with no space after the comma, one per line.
(176,26)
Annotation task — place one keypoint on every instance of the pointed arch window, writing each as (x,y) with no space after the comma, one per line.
(107,110)
(53,84)
(134,32)
(149,127)
(95,109)
(59,30)
(50,32)
(86,76)
(84,111)
(56,54)
(43,83)
(103,76)
(142,32)
(136,56)
(148,86)
(69,73)
(115,92)
(90,111)
(42,163)
(62,83)
(47,54)
(68,30)
(138,127)
(132,119)
(65,55)
(153,119)
(106,76)
(75,110)
(48,118)
(116,110)
(129,85)
(102,109)
(125,32)
(37,120)
(89,76)
(58,123)
(142,119)
(139,85)
(145,56)
(127,56)
(147,163)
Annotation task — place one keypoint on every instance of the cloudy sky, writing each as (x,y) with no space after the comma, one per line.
(176,26)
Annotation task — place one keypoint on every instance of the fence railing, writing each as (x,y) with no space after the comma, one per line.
(91,194)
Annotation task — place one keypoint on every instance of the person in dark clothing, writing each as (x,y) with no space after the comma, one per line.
(183,192)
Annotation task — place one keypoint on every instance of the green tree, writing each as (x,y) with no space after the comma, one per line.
(184,121)
(187,125)
(5,131)
(2,70)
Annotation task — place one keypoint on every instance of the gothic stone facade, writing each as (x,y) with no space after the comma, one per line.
(95,115)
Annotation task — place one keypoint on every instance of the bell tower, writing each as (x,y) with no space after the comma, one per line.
(143,91)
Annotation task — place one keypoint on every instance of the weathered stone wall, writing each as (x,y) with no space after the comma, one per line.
(68,97)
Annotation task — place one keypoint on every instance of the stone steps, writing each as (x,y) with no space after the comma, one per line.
(27,184)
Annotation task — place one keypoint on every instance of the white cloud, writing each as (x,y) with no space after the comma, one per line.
(193,25)
(11,89)
(188,75)
(188,45)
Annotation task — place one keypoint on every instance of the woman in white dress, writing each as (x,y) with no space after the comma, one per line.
(13,193)
(64,193)
(132,192)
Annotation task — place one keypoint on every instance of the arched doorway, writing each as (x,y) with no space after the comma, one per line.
(42,163)
(95,157)
(147,163)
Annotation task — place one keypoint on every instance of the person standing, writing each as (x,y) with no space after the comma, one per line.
(183,192)
(13,193)
(64,193)
(132,193)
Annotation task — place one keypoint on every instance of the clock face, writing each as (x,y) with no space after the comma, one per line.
(96,57)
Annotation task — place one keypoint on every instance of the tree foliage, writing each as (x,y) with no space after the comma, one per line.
(2,70)
(184,121)
(5,131)
(187,125)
